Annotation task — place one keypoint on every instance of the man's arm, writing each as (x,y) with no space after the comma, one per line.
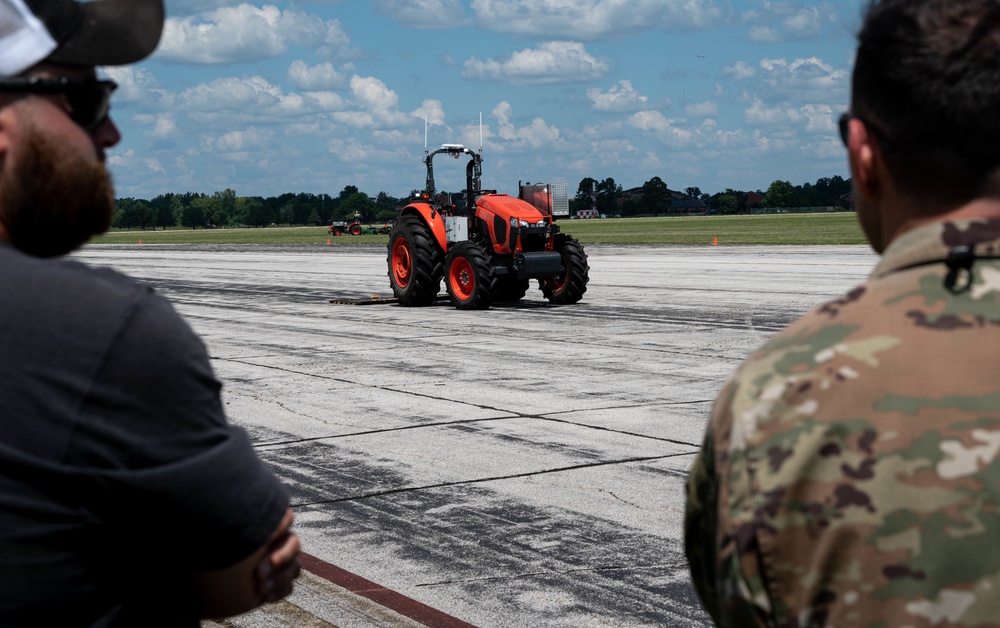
(701,526)
(264,576)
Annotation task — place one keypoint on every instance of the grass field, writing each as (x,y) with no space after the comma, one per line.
(831,228)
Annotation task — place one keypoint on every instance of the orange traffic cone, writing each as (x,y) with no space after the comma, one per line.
(328,240)
(140,241)
(715,241)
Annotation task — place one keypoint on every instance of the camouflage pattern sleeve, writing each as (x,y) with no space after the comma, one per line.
(854,461)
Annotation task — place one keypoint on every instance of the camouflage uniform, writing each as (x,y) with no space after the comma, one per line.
(850,474)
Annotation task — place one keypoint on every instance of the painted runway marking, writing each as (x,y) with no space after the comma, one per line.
(405,606)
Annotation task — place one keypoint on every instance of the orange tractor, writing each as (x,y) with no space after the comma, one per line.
(486,246)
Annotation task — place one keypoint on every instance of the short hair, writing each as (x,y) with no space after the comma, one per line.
(927,78)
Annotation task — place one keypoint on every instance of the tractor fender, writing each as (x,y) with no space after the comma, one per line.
(434,220)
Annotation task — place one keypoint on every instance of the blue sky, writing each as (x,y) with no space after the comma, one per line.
(311,96)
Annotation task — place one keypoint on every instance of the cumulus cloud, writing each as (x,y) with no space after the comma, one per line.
(551,62)
(740,71)
(134,82)
(702,110)
(317,77)
(374,105)
(804,80)
(805,23)
(667,129)
(593,19)
(621,97)
(424,14)
(537,135)
(247,33)
(432,111)
(781,21)
(242,140)
(154,164)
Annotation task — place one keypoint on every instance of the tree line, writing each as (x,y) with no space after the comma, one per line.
(225,209)
(653,198)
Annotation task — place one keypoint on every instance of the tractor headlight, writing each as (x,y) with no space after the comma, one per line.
(517,222)
(540,223)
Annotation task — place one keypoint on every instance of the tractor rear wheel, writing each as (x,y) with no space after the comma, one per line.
(469,276)
(510,290)
(569,287)
(415,263)
(355,229)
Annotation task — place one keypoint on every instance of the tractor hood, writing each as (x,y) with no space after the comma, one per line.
(507,207)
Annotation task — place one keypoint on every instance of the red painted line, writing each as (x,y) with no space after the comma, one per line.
(407,607)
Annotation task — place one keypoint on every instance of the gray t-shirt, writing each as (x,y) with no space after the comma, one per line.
(119,475)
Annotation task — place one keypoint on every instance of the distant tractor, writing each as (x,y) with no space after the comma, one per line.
(356,228)
(486,246)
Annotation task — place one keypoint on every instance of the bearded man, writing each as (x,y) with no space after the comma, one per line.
(126,498)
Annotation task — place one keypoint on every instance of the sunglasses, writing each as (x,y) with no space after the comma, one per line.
(87,100)
(845,125)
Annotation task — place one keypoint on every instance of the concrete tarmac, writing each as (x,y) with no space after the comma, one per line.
(519,466)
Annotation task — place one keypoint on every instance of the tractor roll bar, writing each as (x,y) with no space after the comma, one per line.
(473,171)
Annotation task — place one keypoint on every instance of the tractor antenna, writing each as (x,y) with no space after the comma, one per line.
(480,133)
(425,135)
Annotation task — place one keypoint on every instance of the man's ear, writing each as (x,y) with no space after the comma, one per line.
(864,156)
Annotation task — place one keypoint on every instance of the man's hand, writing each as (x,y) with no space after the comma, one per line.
(264,576)
(280,564)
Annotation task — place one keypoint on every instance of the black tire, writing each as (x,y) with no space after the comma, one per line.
(336,231)
(509,290)
(355,229)
(572,284)
(469,276)
(415,262)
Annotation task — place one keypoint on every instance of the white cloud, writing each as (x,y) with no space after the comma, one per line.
(667,129)
(164,127)
(740,71)
(804,80)
(551,62)
(247,33)
(424,14)
(243,140)
(432,111)
(537,135)
(593,19)
(702,110)
(133,82)
(764,35)
(805,23)
(621,97)
(154,165)
(317,77)
(374,105)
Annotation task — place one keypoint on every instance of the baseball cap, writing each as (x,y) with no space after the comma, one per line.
(99,32)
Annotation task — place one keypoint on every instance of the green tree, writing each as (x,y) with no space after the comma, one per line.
(130,213)
(655,197)
(253,211)
(608,195)
(728,204)
(193,214)
(223,208)
(780,194)
(357,203)
(163,211)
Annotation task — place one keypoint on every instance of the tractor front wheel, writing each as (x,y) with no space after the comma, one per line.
(570,286)
(415,263)
(470,276)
